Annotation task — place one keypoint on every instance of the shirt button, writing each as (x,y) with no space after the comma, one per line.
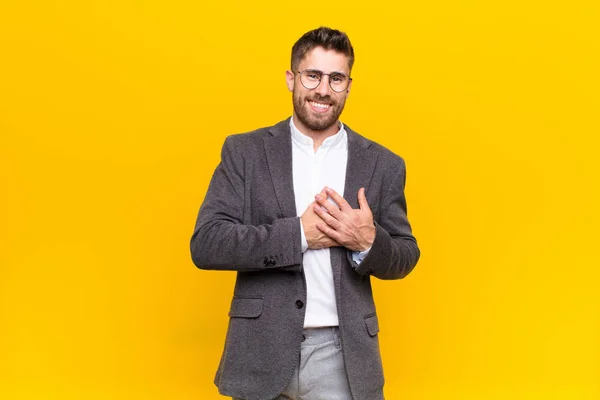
(299,304)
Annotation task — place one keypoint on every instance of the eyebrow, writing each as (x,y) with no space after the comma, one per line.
(318,70)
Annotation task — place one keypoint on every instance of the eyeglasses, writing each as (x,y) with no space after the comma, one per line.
(311,79)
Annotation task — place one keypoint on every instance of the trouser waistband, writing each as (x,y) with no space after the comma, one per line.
(320,335)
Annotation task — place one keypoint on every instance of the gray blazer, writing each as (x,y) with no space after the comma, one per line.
(248,224)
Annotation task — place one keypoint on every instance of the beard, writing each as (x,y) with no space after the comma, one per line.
(315,121)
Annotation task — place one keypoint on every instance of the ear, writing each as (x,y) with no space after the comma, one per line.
(289,80)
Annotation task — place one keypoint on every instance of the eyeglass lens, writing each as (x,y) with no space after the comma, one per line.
(337,81)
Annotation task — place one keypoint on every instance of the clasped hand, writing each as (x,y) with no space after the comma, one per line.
(328,224)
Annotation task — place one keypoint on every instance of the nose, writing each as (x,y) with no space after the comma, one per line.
(323,89)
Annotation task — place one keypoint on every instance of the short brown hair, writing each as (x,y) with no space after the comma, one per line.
(329,39)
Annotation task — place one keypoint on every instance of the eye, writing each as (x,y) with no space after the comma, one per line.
(337,78)
(313,75)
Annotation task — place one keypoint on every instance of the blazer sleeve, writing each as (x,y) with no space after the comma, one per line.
(394,252)
(222,242)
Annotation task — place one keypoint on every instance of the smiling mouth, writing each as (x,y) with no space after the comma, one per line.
(319,107)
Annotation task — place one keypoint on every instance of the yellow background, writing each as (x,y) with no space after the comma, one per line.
(112,115)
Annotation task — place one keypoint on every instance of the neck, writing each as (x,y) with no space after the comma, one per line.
(318,137)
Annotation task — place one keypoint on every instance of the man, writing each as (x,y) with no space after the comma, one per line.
(306,211)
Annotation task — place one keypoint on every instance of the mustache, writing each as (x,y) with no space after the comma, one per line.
(322,99)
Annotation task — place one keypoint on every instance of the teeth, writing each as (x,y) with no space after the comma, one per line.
(319,105)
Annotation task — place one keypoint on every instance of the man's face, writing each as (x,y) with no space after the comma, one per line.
(320,108)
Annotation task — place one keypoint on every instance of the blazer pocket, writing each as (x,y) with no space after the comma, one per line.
(372,325)
(244,307)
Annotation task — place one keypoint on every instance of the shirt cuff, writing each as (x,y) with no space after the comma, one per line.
(359,256)
(303,242)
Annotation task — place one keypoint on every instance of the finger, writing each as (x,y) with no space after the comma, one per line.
(322,193)
(333,234)
(362,200)
(339,200)
(325,216)
(329,206)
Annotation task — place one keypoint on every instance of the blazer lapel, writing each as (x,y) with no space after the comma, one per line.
(360,167)
(278,148)
(359,170)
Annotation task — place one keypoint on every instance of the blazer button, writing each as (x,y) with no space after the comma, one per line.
(299,304)
(269,262)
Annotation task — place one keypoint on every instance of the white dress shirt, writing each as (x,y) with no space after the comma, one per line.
(312,171)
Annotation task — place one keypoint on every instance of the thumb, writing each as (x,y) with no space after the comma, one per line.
(362,200)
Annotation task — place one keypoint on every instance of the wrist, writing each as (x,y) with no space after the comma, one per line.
(369,239)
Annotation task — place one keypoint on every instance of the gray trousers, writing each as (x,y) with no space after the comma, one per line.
(320,374)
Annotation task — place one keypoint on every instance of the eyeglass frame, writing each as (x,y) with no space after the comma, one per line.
(321,79)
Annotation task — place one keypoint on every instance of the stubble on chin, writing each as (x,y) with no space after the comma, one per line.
(318,122)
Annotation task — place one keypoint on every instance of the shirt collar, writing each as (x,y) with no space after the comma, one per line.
(301,138)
